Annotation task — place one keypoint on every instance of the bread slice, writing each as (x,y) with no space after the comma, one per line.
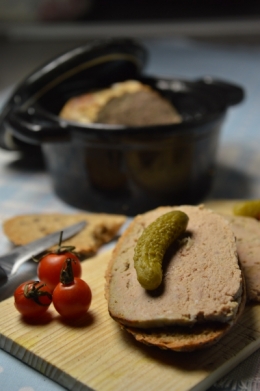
(185,339)
(247,233)
(203,290)
(100,229)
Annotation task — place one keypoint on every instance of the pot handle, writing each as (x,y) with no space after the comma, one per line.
(230,94)
(33,127)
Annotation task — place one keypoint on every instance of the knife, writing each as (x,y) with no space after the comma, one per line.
(19,259)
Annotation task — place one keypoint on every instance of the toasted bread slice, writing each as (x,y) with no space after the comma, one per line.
(100,229)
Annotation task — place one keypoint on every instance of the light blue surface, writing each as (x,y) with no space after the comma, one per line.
(16,376)
(27,190)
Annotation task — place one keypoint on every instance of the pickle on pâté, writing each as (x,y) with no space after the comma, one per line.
(152,245)
(249,208)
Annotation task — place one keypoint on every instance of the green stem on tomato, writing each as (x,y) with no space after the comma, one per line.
(63,248)
(67,275)
(33,293)
(60,241)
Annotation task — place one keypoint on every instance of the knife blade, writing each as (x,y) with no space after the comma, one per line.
(12,261)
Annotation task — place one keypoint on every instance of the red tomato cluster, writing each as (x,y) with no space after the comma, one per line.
(59,283)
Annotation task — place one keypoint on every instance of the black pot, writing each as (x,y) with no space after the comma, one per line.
(119,169)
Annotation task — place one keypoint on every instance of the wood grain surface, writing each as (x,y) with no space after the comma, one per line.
(94,353)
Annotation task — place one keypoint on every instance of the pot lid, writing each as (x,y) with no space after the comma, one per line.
(100,60)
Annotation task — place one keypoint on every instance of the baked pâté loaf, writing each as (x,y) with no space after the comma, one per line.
(202,294)
(129,103)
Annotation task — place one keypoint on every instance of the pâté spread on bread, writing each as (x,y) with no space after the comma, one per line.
(247,233)
(202,291)
(129,103)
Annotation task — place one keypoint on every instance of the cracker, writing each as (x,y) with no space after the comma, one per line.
(100,229)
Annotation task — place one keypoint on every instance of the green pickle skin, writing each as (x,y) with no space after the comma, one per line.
(248,208)
(152,245)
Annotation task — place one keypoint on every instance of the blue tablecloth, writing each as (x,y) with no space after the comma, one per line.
(26,187)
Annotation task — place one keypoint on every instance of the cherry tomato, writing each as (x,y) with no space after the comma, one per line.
(50,265)
(72,296)
(32,298)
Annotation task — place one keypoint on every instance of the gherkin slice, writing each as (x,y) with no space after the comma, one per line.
(152,245)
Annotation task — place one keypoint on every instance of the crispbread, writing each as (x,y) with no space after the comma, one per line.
(100,229)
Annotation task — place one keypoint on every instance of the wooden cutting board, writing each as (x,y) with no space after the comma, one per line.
(95,353)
